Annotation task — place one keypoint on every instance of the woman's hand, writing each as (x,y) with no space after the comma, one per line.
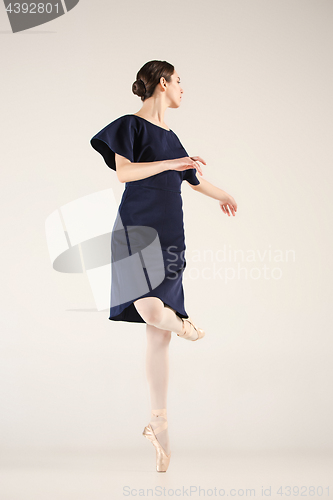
(228,202)
(185,163)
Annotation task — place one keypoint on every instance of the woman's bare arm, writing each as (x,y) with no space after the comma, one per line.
(208,189)
(226,201)
(128,171)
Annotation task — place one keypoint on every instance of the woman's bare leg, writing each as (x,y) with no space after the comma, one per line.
(154,312)
(161,321)
(157,371)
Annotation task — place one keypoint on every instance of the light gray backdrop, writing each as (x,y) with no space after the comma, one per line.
(257,106)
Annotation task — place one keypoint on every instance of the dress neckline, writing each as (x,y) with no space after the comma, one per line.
(167,130)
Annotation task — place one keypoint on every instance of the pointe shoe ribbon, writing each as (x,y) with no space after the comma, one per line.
(160,413)
(162,459)
(186,335)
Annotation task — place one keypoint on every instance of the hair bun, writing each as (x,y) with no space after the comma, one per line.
(139,87)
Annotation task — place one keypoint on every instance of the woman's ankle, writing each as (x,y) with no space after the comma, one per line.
(188,328)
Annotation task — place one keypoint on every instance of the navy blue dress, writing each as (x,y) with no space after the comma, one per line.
(149,227)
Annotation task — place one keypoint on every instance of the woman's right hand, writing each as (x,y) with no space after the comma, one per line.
(185,163)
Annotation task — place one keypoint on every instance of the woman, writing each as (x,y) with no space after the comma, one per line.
(148,243)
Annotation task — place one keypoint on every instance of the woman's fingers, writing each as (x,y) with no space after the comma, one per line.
(198,167)
(227,208)
(198,158)
(232,210)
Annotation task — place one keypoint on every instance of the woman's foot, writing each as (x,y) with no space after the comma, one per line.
(190,331)
(163,436)
(154,428)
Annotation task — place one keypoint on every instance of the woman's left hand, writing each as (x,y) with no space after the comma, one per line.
(228,202)
(198,166)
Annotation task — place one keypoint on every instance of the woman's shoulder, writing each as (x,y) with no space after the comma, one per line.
(126,122)
(128,118)
(120,125)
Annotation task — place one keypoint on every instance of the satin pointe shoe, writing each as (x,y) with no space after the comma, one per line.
(162,459)
(189,333)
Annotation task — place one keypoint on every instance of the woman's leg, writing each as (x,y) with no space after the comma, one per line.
(154,312)
(157,371)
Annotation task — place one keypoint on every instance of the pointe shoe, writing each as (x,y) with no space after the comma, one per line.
(188,334)
(162,459)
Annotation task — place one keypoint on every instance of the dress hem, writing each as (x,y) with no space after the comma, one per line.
(131,315)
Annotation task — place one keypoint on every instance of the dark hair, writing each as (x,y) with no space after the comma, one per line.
(148,77)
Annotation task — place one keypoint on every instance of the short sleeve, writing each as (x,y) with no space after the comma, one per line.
(190,176)
(117,137)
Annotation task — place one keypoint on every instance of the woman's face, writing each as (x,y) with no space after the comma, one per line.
(174,91)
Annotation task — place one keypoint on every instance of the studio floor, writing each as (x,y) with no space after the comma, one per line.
(111,474)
